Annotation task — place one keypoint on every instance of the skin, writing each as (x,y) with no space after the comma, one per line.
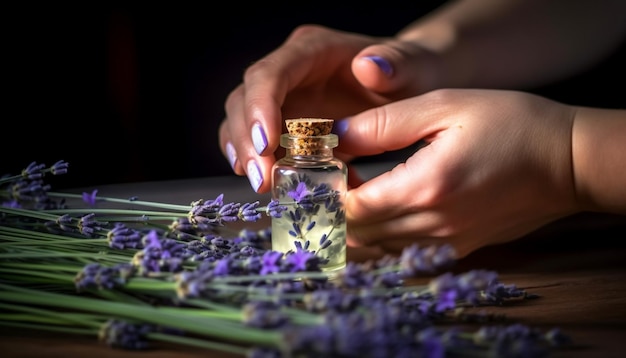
(498,164)
(501,167)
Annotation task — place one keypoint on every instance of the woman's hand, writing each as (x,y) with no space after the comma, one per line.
(317,72)
(497,165)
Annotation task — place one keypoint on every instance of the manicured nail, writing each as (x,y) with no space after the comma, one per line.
(258,138)
(383,64)
(232,154)
(254,175)
(340,127)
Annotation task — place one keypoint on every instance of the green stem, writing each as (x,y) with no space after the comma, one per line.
(213,327)
(184,208)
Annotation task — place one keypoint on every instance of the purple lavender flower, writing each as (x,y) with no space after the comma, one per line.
(324,242)
(416,260)
(263,352)
(206,211)
(122,237)
(301,260)
(63,222)
(183,225)
(271,261)
(222,267)
(151,239)
(191,284)
(302,196)
(227,213)
(90,198)
(33,171)
(275,209)
(34,190)
(498,292)
(299,193)
(96,276)
(388,279)
(446,300)
(253,264)
(330,300)
(248,212)
(430,341)
(13,203)
(264,314)
(556,338)
(517,340)
(59,168)
(220,243)
(88,225)
(121,334)
(354,276)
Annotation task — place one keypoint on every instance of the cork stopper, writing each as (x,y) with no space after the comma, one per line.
(304,134)
(309,127)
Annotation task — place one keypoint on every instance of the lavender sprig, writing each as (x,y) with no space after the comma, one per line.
(168,274)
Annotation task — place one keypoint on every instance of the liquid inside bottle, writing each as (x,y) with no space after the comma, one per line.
(312,185)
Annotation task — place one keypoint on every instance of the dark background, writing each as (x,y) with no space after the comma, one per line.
(136,92)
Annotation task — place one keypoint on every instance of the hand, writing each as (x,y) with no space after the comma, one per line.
(317,72)
(496,166)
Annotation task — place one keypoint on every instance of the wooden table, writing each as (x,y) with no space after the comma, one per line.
(576,266)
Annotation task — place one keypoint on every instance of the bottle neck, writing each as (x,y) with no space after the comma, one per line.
(314,147)
(321,154)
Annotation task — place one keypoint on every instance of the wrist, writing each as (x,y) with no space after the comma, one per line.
(599,159)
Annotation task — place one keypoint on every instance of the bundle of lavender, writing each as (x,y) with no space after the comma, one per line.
(172,273)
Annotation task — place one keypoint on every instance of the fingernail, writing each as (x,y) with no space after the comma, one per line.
(258,138)
(254,175)
(340,127)
(232,154)
(383,64)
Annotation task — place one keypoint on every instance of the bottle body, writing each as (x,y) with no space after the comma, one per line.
(313,189)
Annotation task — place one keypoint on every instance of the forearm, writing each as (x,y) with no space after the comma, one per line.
(518,43)
(599,159)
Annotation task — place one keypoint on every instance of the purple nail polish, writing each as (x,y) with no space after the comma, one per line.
(382,63)
(254,175)
(258,138)
(232,154)
(340,127)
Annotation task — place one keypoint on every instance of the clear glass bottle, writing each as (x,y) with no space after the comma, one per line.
(312,184)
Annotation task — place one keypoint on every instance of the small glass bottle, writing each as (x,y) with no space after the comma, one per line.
(312,184)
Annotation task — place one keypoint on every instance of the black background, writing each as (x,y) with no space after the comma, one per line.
(136,92)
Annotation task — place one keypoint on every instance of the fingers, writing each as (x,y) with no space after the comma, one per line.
(397,69)
(399,125)
(250,134)
(393,126)
(239,141)
(389,195)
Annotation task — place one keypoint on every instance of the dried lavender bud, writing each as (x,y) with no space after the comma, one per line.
(275,209)
(122,237)
(556,338)
(248,212)
(264,314)
(301,260)
(271,261)
(33,171)
(121,334)
(416,260)
(497,293)
(59,168)
(88,226)
(96,276)
(90,198)
(227,213)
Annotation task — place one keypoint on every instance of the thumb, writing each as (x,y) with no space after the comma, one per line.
(391,127)
(397,69)
(415,122)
